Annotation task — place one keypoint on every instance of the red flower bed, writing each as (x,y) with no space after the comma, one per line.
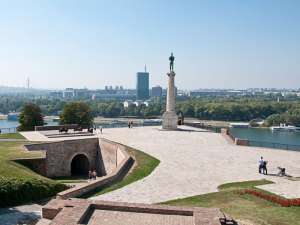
(272,198)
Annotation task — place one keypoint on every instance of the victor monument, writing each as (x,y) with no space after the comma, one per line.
(169,117)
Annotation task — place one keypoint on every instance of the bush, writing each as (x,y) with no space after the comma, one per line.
(77,113)
(16,191)
(30,116)
(253,123)
(272,198)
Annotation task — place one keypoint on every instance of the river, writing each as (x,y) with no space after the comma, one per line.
(267,138)
(9,126)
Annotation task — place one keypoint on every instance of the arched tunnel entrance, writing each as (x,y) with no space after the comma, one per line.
(80,165)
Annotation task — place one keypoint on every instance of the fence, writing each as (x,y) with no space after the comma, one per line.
(274,145)
(204,126)
(8,130)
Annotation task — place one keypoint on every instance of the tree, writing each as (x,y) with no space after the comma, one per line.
(253,123)
(30,116)
(274,120)
(77,113)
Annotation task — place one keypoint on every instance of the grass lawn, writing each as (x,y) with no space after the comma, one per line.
(244,207)
(144,165)
(11,136)
(19,184)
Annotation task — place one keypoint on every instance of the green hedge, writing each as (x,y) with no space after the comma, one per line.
(15,191)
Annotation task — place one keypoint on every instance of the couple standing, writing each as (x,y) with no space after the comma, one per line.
(262,166)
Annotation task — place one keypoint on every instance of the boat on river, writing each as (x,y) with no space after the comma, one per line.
(284,127)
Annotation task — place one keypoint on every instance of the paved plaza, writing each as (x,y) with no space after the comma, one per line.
(197,162)
(193,162)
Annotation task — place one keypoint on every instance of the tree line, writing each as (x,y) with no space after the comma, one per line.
(218,108)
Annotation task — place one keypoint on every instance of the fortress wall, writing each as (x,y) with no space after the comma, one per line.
(112,154)
(59,155)
(105,156)
(38,165)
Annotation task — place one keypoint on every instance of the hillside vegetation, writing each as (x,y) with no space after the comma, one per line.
(18,184)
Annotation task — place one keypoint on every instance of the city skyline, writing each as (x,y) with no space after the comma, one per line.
(217,44)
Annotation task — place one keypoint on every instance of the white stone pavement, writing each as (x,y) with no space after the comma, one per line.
(194,163)
(36,136)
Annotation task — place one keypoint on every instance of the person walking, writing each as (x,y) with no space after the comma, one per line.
(260,164)
(94,175)
(264,167)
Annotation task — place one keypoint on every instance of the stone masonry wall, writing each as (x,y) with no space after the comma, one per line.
(59,155)
(38,165)
(112,154)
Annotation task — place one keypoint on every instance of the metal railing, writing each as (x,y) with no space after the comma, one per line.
(204,126)
(8,130)
(274,145)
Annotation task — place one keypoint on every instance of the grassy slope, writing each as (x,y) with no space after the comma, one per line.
(11,136)
(15,179)
(244,207)
(8,169)
(144,165)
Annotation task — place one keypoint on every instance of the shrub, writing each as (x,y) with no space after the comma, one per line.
(16,191)
(272,198)
(30,116)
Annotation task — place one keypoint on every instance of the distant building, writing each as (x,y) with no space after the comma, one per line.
(138,103)
(56,94)
(69,93)
(13,116)
(156,91)
(142,85)
(82,93)
(127,103)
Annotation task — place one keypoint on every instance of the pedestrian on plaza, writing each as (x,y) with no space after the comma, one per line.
(260,164)
(94,175)
(264,168)
(90,174)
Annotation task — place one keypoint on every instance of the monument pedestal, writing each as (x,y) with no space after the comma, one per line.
(169,120)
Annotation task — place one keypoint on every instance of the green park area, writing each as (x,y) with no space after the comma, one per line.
(247,209)
(11,136)
(19,184)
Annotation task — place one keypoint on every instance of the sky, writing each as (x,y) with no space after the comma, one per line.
(216,43)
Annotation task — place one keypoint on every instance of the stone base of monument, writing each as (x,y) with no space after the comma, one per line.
(169,120)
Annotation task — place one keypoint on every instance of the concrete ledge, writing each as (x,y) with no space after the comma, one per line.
(237,141)
(74,211)
(243,142)
(55,127)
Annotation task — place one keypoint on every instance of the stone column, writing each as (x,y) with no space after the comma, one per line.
(170,118)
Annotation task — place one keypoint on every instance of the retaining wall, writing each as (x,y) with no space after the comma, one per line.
(117,173)
(112,154)
(237,141)
(38,165)
(59,155)
(55,127)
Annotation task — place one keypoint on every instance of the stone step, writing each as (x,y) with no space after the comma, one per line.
(44,221)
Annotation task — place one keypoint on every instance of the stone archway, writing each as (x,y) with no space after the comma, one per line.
(80,165)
